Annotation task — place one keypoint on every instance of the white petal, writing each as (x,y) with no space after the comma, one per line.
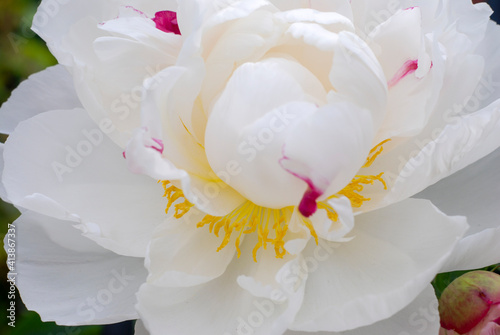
(357,76)
(472,192)
(314,35)
(131,50)
(419,317)
(413,89)
(82,176)
(336,6)
(167,113)
(54,20)
(222,306)
(108,83)
(334,231)
(326,148)
(196,13)
(144,156)
(457,99)
(182,255)
(44,91)
(459,144)
(301,234)
(397,40)
(456,107)
(248,39)
(459,25)
(470,22)
(69,279)
(303,29)
(475,251)
(395,253)
(248,125)
(134,25)
(213,195)
(333,21)
(454,100)
(490,90)
(3,192)
(166,110)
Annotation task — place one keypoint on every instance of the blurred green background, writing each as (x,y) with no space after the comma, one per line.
(21,51)
(21,54)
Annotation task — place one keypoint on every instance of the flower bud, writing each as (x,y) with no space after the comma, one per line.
(471,305)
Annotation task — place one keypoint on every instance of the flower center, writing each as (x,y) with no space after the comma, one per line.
(271,225)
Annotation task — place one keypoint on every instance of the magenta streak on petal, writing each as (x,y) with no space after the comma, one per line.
(307,206)
(160,147)
(128,7)
(167,21)
(136,10)
(124,155)
(408,67)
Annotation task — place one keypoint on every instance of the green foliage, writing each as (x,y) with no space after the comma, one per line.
(30,324)
(21,51)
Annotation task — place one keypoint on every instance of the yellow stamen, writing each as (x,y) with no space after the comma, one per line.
(330,212)
(307,222)
(375,152)
(250,218)
(357,185)
(172,193)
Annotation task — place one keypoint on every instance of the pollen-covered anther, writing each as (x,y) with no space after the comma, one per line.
(357,185)
(271,226)
(330,212)
(173,194)
(374,153)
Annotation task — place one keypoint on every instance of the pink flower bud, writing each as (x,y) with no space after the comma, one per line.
(471,305)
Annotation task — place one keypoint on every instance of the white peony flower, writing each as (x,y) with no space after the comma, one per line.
(286,138)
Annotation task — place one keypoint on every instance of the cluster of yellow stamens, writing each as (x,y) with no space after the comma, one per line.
(173,194)
(250,218)
(270,224)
